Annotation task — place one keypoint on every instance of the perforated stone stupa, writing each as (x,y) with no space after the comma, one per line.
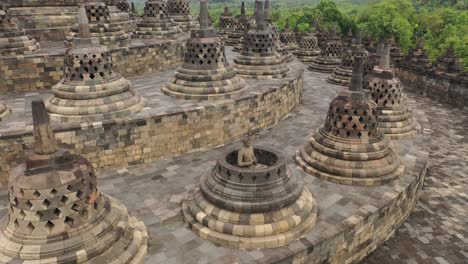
(13,39)
(90,89)
(156,23)
(57,213)
(179,11)
(227,24)
(341,75)
(101,26)
(280,47)
(330,57)
(258,206)
(449,63)
(418,57)
(288,37)
(205,74)
(259,58)
(235,37)
(394,117)
(349,148)
(308,47)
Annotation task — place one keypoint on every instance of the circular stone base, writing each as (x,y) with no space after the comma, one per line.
(340,76)
(398,124)
(263,230)
(172,91)
(261,68)
(126,236)
(306,56)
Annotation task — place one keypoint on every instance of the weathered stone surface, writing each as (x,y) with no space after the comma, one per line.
(179,11)
(102,26)
(341,75)
(206,73)
(395,118)
(5,111)
(58,215)
(259,58)
(349,148)
(288,38)
(271,209)
(331,55)
(13,39)
(227,24)
(156,22)
(242,25)
(308,48)
(90,89)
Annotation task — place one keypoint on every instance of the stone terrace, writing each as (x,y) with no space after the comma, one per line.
(434,233)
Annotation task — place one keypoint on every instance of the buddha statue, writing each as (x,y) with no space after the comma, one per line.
(246,155)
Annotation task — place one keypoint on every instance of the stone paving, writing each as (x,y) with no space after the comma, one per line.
(434,233)
(437,231)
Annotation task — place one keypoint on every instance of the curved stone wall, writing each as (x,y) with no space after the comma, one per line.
(144,139)
(42,70)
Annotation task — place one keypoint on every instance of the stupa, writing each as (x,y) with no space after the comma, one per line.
(330,57)
(179,11)
(449,63)
(417,58)
(123,5)
(227,24)
(394,117)
(374,57)
(308,47)
(259,58)
(57,213)
(349,38)
(205,74)
(90,89)
(349,148)
(235,37)
(395,51)
(288,37)
(101,26)
(261,205)
(156,23)
(13,39)
(341,75)
(280,47)
(370,47)
(321,34)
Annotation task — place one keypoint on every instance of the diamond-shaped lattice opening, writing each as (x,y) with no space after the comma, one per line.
(49,226)
(22,215)
(37,194)
(75,207)
(15,201)
(79,194)
(29,204)
(64,199)
(30,227)
(53,191)
(69,221)
(46,203)
(39,215)
(57,212)
(16,223)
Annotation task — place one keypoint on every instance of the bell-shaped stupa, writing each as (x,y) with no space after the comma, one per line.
(280,47)
(179,11)
(13,39)
(449,63)
(227,24)
(90,89)
(250,200)
(259,58)
(288,37)
(395,118)
(308,47)
(205,74)
(330,57)
(418,58)
(156,23)
(349,148)
(101,25)
(341,75)
(235,37)
(57,213)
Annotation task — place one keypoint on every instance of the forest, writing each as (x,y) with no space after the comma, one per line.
(437,23)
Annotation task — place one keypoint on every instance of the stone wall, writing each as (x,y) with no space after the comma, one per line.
(114,145)
(42,70)
(444,89)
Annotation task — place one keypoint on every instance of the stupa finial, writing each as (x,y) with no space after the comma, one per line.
(84,30)
(204,18)
(260,22)
(287,26)
(356,78)
(243,11)
(266,12)
(44,137)
(385,58)
(358,38)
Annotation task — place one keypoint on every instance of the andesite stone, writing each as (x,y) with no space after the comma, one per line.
(308,46)
(261,206)
(206,73)
(57,213)
(259,58)
(227,24)
(330,57)
(395,118)
(179,11)
(90,89)
(156,23)
(349,148)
